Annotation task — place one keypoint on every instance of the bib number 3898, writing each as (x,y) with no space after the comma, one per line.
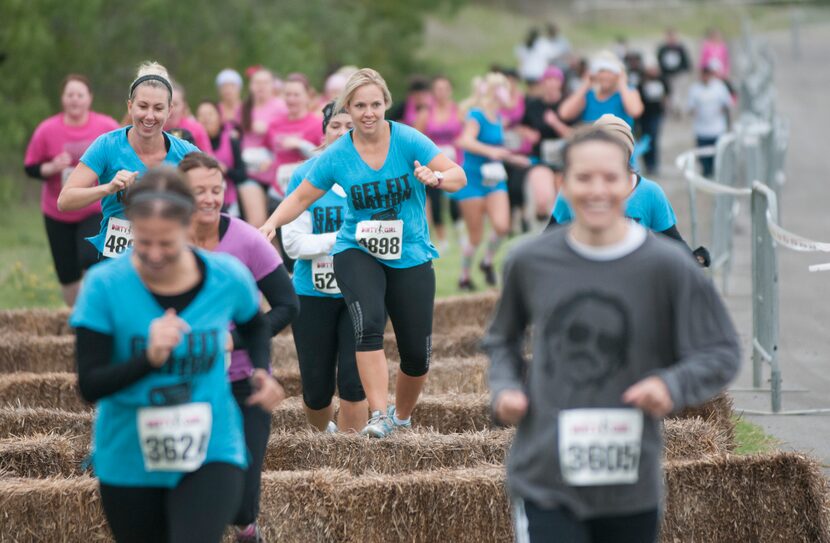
(119,237)
(174,438)
(600,446)
(322,275)
(383,239)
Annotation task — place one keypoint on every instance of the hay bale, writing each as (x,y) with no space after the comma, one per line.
(38,322)
(717,411)
(400,453)
(694,438)
(772,497)
(47,390)
(467,375)
(42,456)
(466,310)
(23,352)
(65,510)
(28,422)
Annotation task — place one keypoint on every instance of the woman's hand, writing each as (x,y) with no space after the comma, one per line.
(511,407)
(268,393)
(425,175)
(166,332)
(123,180)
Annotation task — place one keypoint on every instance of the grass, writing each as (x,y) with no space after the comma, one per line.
(751,438)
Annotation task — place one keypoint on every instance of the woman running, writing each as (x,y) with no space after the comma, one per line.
(627,331)
(323,331)
(294,136)
(229,87)
(181,119)
(486,193)
(383,255)
(604,90)
(258,112)
(115,160)
(441,123)
(226,148)
(54,150)
(152,330)
(212,230)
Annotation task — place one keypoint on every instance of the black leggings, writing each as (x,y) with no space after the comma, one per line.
(516,185)
(196,510)
(372,290)
(324,337)
(71,253)
(436,204)
(257,425)
(537,525)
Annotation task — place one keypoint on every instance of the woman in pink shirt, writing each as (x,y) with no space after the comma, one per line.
(294,136)
(226,149)
(258,112)
(714,48)
(53,152)
(182,124)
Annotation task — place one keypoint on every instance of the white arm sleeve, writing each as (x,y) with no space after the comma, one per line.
(299,242)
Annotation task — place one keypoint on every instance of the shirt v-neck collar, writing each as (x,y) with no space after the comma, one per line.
(388,151)
(168,146)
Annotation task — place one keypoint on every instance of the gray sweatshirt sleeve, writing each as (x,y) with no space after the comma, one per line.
(706,343)
(505,338)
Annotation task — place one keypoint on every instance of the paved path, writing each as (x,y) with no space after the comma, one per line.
(803,88)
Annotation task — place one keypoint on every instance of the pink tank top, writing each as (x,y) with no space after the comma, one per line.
(224,154)
(443,133)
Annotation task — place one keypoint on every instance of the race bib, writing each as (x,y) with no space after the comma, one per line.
(671,59)
(256,157)
(383,239)
(599,447)
(493,173)
(512,140)
(65,173)
(653,90)
(449,151)
(322,275)
(119,237)
(551,151)
(175,438)
(284,174)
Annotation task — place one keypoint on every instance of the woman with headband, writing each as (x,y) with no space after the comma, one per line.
(383,254)
(55,148)
(152,331)
(117,159)
(323,331)
(604,90)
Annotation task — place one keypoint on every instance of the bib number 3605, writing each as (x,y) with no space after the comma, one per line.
(600,446)
(175,438)
(322,274)
(383,239)
(119,237)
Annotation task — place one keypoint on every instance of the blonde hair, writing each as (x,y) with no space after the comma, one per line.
(151,67)
(483,90)
(361,78)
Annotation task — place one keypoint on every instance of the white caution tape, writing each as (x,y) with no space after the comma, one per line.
(794,241)
(819,267)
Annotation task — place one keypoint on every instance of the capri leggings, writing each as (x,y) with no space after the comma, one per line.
(197,510)
(537,525)
(257,425)
(372,290)
(436,202)
(71,253)
(324,338)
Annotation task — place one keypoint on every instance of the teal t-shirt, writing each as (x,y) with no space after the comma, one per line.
(391,193)
(648,205)
(114,301)
(327,215)
(110,153)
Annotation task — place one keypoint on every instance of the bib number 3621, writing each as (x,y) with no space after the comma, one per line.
(119,237)
(175,438)
(383,239)
(600,447)
(322,275)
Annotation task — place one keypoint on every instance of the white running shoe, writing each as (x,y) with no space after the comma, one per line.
(378,426)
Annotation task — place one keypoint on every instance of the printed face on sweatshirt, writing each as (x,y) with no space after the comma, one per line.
(587,339)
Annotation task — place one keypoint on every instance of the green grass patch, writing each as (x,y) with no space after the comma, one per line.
(752,439)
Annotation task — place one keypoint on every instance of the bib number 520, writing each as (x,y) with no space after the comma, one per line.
(382,239)
(119,237)
(322,273)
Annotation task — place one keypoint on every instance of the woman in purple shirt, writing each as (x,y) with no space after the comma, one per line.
(215,231)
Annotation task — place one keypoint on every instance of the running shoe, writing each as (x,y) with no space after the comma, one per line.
(489,273)
(249,534)
(466,284)
(378,426)
(390,412)
(331,428)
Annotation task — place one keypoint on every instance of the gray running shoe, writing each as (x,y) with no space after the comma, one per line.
(378,426)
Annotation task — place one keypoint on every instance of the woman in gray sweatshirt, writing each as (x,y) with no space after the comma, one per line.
(625,329)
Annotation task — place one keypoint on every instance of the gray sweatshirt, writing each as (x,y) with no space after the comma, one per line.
(598,327)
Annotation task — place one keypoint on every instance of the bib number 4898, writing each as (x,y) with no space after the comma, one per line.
(119,237)
(382,239)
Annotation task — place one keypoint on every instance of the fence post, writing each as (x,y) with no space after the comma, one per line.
(765,293)
(723,217)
